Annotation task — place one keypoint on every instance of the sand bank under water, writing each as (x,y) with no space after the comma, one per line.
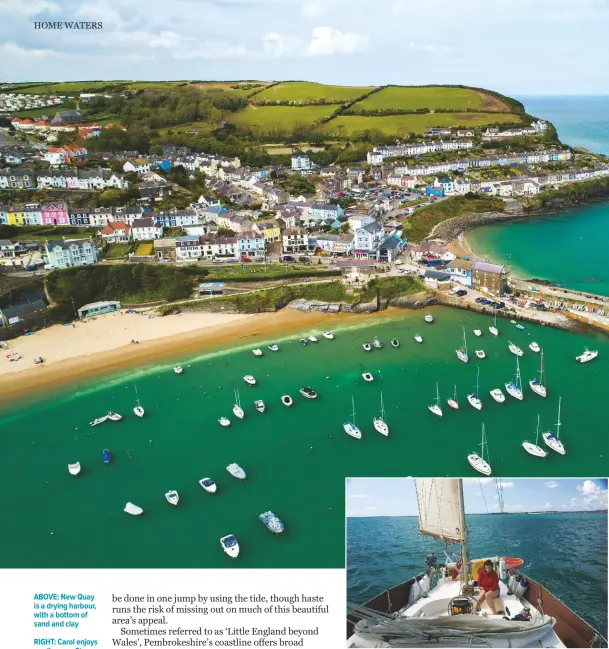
(103,345)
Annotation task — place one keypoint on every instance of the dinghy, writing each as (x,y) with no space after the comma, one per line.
(312,339)
(230,546)
(257,352)
(249,379)
(366,347)
(429,318)
(172,497)
(304,342)
(534,347)
(286,399)
(177,369)
(74,468)
(114,416)
(418,338)
(477,332)
(368,377)
(106,456)
(308,392)
(480,353)
(132,509)
(259,405)
(224,421)
(377,343)
(498,395)
(395,342)
(209,485)
(99,420)
(273,347)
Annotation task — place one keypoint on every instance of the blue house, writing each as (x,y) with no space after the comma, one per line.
(165,165)
(433,191)
(165,219)
(461,271)
(323,212)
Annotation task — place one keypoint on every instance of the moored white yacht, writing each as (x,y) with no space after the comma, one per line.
(272,522)
(477,332)
(367,377)
(177,369)
(534,449)
(380,423)
(435,409)
(230,546)
(236,471)
(453,403)
(257,352)
(429,318)
(328,334)
(349,426)
(498,395)
(224,421)
(586,356)
(74,468)
(462,352)
(308,392)
(312,339)
(98,420)
(477,461)
(515,349)
(418,338)
(209,485)
(473,398)
(377,343)
(172,497)
(493,328)
(237,409)
(539,385)
(138,410)
(437,608)
(552,440)
(249,379)
(114,416)
(514,388)
(259,405)
(534,347)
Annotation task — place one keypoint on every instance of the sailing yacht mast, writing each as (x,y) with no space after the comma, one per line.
(465,571)
(558,422)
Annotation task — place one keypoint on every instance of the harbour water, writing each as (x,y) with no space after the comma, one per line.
(567,553)
(296,459)
(567,248)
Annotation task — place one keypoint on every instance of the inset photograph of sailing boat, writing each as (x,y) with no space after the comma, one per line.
(476,562)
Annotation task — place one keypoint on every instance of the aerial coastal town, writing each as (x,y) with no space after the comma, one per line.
(65,203)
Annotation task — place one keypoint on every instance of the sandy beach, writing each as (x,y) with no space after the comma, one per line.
(103,345)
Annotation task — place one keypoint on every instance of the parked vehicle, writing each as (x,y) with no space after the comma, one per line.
(287,258)
(304,259)
(246,259)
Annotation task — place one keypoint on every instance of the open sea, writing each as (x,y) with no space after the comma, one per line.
(567,553)
(296,459)
(568,248)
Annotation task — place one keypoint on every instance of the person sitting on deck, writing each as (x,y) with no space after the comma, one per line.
(488,582)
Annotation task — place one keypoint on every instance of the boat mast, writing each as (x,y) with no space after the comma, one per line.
(437,393)
(518,380)
(465,565)
(382,408)
(353,407)
(478,383)
(464,342)
(558,422)
(541,370)
(537,434)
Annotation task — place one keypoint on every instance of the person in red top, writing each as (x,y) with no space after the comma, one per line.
(488,582)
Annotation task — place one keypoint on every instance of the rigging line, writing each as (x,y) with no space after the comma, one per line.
(483,496)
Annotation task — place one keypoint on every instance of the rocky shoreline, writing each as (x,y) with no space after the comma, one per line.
(415,301)
(452,228)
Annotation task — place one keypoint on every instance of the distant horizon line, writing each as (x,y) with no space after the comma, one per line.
(551,511)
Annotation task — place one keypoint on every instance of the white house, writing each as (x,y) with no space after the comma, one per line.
(146,229)
(139,166)
(188,247)
(295,240)
(301,162)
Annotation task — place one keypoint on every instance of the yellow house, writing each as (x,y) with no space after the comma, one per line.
(15,216)
(270,231)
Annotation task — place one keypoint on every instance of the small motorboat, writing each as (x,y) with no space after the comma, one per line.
(352,430)
(418,338)
(534,347)
(366,347)
(395,342)
(586,356)
(249,379)
(272,522)
(519,326)
(273,347)
(368,377)
(177,369)
(429,318)
(286,399)
(114,416)
(223,421)
(513,322)
(477,332)
(99,420)
(106,456)
(304,342)
(498,395)
(132,509)
(172,497)
(328,334)
(139,411)
(236,471)
(230,546)
(312,339)
(308,392)
(377,343)
(480,353)
(259,405)
(257,352)
(74,468)
(209,485)
(515,349)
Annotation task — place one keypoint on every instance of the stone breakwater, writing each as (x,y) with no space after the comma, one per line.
(452,228)
(414,301)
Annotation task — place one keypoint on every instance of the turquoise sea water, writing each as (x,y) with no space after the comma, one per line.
(567,553)
(568,248)
(296,458)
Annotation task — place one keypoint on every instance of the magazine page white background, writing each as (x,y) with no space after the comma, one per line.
(300,619)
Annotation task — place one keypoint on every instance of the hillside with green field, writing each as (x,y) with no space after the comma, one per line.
(305,92)
(273,120)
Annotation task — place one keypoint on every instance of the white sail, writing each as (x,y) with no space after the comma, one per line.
(439,508)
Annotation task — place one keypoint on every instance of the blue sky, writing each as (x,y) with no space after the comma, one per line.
(397,496)
(527,47)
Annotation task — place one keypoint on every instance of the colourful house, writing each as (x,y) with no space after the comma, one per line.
(15,215)
(55,213)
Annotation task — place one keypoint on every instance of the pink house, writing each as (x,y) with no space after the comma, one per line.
(55,213)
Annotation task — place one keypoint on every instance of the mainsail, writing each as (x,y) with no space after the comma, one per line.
(440,505)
